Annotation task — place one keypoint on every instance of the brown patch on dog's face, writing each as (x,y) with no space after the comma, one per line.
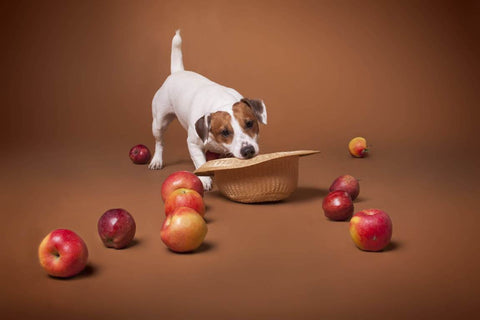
(246,118)
(221,127)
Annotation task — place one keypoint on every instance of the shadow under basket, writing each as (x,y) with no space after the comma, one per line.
(264,178)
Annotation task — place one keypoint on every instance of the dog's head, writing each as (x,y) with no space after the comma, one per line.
(234,132)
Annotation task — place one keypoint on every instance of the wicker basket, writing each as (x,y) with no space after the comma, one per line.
(265,178)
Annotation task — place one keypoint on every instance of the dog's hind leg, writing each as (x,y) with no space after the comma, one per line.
(162,117)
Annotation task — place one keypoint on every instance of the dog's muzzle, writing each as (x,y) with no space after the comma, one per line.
(247,152)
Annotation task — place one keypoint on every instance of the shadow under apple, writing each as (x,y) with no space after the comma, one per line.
(204,247)
(89,271)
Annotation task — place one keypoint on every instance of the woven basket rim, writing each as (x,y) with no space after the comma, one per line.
(209,168)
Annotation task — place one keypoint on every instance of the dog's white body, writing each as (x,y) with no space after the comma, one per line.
(189,96)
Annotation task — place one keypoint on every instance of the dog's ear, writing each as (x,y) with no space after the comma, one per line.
(202,127)
(258,108)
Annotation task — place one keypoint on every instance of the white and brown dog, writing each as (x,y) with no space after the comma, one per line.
(217,119)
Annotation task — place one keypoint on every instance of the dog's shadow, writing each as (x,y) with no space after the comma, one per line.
(302,194)
(90,270)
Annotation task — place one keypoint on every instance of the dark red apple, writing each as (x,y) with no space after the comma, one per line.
(181,179)
(338,205)
(211,155)
(139,154)
(371,229)
(346,183)
(116,228)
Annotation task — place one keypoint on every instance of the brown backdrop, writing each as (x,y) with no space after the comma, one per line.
(78,79)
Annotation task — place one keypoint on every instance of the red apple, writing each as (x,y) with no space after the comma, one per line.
(181,179)
(346,183)
(183,230)
(62,253)
(337,205)
(211,155)
(116,228)
(371,229)
(184,198)
(139,154)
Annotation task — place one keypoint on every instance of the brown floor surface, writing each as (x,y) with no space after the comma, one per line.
(278,261)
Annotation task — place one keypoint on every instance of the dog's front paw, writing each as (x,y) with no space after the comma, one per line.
(155,164)
(207,183)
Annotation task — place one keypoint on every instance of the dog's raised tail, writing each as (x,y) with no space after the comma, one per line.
(176,62)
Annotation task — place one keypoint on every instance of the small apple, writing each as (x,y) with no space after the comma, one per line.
(358,147)
(184,198)
(346,183)
(338,205)
(139,154)
(116,228)
(183,230)
(371,229)
(181,179)
(211,155)
(62,253)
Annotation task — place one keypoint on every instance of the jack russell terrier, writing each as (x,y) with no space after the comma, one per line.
(217,119)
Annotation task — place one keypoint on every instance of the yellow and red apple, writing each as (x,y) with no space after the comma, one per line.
(183,230)
(181,179)
(62,253)
(358,147)
(371,229)
(184,198)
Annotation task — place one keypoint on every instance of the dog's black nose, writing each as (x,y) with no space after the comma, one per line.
(247,151)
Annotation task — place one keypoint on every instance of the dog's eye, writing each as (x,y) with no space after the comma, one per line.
(225,132)
(249,123)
